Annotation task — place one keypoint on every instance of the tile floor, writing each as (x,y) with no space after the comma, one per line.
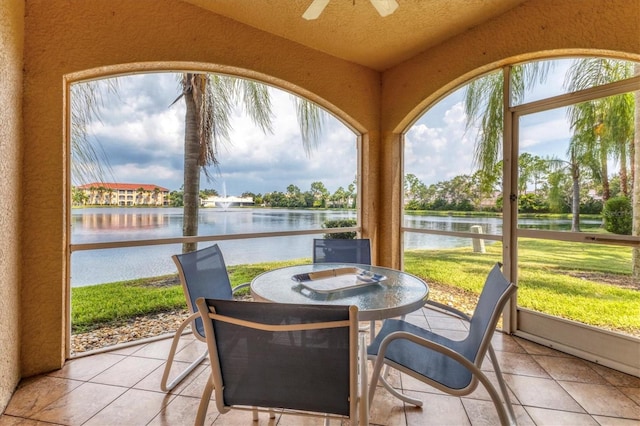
(121,387)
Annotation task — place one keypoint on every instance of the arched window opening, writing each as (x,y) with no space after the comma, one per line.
(549,189)
(263,186)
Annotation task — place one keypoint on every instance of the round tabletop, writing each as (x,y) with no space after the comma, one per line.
(399,293)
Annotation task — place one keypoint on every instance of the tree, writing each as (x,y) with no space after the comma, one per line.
(210,99)
(612,126)
(88,160)
(320,194)
(484,104)
(605,125)
(339,198)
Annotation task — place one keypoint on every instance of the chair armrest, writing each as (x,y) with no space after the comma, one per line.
(448,309)
(426,343)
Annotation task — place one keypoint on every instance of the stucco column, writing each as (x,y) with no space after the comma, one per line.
(389,200)
(11,125)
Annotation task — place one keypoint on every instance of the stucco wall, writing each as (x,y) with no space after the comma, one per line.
(65,37)
(534,29)
(11,43)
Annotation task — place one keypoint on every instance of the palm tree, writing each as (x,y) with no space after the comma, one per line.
(89,162)
(609,122)
(605,125)
(484,104)
(210,100)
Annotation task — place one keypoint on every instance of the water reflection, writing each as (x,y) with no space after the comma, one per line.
(126,224)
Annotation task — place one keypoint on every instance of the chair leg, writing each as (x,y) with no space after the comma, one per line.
(376,375)
(204,402)
(503,386)
(172,353)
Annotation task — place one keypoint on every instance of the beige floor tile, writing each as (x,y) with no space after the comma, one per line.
(537,349)
(481,392)
(386,409)
(614,421)
(134,407)
(196,386)
(182,410)
(245,418)
(517,363)
(159,349)
(522,416)
(127,372)
(437,410)
(126,350)
(481,413)
(485,413)
(615,377)
(542,417)
(21,421)
(542,393)
(152,381)
(632,393)
(79,405)
(569,369)
(602,400)
(85,368)
(34,394)
(505,343)
(55,400)
(191,351)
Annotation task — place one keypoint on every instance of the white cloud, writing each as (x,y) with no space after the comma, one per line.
(144,138)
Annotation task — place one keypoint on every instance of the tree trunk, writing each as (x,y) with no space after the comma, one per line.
(575,203)
(191,172)
(606,191)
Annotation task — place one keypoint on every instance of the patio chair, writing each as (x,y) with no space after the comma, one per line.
(301,358)
(342,251)
(452,366)
(203,273)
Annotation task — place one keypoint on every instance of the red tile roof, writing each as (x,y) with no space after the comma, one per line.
(122,186)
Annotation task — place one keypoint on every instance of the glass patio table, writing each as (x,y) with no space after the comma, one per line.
(384,293)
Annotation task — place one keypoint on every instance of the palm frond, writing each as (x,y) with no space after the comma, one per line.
(89,162)
(311,121)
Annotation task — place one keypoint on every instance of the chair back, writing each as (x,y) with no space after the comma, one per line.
(342,251)
(271,355)
(203,273)
(496,292)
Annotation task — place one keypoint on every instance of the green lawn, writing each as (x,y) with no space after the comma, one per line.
(94,306)
(548,282)
(558,278)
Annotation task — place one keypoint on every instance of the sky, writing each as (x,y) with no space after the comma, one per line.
(143,138)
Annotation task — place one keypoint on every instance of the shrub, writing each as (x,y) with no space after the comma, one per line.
(617,215)
(340,223)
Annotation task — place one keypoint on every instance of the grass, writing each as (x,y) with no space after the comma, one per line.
(558,278)
(113,303)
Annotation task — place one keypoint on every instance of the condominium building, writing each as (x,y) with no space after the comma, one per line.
(120,194)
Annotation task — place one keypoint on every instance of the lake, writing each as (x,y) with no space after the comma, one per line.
(94,225)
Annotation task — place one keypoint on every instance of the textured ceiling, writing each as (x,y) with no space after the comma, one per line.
(354,31)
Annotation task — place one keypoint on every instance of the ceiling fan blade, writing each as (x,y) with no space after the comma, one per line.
(315,9)
(385,7)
